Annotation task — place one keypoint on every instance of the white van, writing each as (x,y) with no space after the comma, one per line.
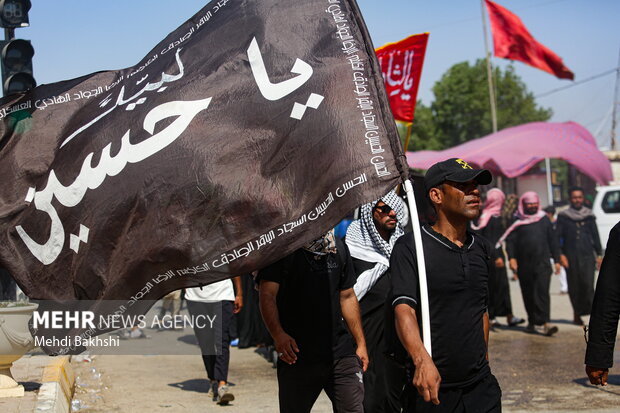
(606,208)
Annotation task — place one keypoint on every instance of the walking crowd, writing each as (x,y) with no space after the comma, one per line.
(344,315)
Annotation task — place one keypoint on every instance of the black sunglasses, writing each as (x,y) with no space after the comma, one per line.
(386,209)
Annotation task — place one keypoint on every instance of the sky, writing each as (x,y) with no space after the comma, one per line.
(72,38)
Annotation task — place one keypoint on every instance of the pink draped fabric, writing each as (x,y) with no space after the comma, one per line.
(513,151)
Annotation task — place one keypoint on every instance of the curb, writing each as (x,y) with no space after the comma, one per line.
(57,386)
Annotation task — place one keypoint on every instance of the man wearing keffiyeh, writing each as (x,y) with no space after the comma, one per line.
(531,243)
(370,240)
(581,252)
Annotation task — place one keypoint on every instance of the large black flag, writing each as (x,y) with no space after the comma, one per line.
(251,129)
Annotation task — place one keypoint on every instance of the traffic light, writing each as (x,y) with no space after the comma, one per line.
(14,13)
(16,64)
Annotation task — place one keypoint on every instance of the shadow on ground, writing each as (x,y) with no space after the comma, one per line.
(188,339)
(195,385)
(613,384)
(563,321)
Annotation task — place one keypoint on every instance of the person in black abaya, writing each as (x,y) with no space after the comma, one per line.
(250,326)
(581,253)
(531,243)
(491,227)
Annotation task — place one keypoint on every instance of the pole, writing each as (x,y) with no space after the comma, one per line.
(489,70)
(417,241)
(407,136)
(549,184)
(9,34)
(613,116)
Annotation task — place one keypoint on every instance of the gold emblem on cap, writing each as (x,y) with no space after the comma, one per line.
(463,164)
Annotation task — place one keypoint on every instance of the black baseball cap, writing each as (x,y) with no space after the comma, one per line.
(456,170)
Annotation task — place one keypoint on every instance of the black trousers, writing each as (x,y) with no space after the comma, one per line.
(383,380)
(484,396)
(374,376)
(580,279)
(252,331)
(499,294)
(301,383)
(534,281)
(395,379)
(214,343)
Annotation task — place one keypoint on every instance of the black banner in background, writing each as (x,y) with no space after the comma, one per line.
(250,130)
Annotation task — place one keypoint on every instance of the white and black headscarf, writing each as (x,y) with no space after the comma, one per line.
(366,244)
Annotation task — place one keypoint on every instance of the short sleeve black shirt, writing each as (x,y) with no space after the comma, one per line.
(309,301)
(457,280)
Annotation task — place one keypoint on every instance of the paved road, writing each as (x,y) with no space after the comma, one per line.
(536,373)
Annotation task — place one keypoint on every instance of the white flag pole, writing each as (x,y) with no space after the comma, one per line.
(549,183)
(417,240)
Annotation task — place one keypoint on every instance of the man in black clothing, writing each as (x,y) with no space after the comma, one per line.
(490,226)
(531,243)
(303,299)
(370,240)
(550,211)
(252,331)
(605,313)
(457,378)
(581,252)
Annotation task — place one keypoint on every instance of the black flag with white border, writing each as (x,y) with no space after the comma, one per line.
(250,130)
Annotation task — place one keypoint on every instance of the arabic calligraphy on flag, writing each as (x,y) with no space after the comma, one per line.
(401,65)
(247,132)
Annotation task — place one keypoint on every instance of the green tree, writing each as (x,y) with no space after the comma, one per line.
(461,109)
(423,131)
(423,136)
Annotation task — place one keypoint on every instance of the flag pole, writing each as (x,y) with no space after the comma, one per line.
(489,69)
(549,183)
(417,241)
(408,135)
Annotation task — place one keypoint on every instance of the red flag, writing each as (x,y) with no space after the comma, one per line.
(401,64)
(512,40)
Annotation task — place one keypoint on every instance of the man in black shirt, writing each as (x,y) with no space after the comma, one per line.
(581,252)
(458,264)
(531,243)
(303,299)
(605,313)
(370,240)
